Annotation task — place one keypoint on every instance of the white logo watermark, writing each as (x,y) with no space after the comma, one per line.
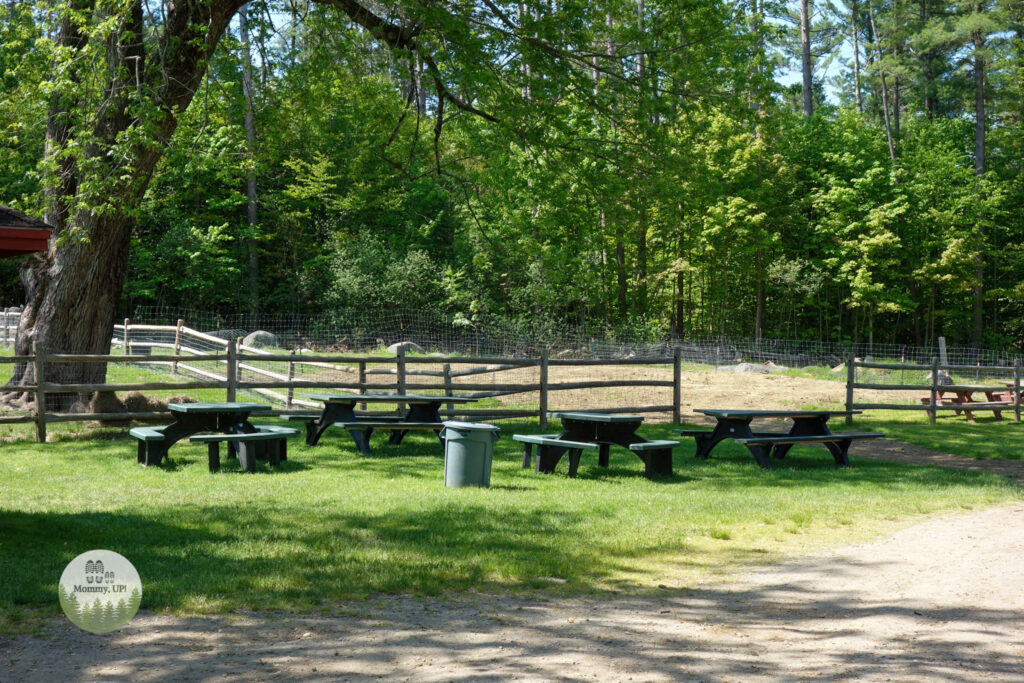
(100,591)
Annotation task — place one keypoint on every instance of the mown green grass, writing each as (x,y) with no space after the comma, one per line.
(331,524)
(984,439)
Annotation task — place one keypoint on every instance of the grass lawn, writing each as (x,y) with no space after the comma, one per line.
(986,438)
(332,524)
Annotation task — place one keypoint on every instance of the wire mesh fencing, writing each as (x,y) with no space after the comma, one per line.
(284,358)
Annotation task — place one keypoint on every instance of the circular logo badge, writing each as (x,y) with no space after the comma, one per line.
(100,591)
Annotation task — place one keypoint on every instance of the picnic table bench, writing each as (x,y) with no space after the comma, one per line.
(595,431)
(809,427)
(275,438)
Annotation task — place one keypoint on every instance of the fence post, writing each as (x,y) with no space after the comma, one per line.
(127,337)
(7,329)
(935,390)
(448,384)
(291,378)
(362,381)
(401,377)
(177,345)
(1016,389)
(677,385)
(231,374)
(543,388)
(40,363)
(851,376)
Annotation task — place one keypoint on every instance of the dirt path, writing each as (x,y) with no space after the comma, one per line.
(941,600)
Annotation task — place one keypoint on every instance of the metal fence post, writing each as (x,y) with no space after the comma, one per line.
(677,385)
(543,389)
(127,337)
(851,376)
(177,345)
(40,363)
(231,374)
(934,390)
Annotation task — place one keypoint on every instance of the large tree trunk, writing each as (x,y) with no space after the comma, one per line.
(73,290)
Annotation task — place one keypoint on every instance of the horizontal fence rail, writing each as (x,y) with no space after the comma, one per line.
(194,360)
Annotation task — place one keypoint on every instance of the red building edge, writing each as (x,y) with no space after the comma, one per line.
(21,234)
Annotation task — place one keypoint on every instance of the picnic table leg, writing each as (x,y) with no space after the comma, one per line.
(362,439)
(839,452)
(246,456)
(527,455)
(574,461)
(273,452)
(213,456)
(760,454)
(992,397)
(963,398)
(332,412)
(726,428)
(658,463)
(803,426)
(603,457)
(548,457)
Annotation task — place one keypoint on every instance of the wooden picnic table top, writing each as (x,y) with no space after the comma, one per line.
(213,407)
(388,398)
(595,417)
(741,413)
(969,387)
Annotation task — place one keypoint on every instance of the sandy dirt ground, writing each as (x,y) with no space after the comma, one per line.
(700,389)
(940,600)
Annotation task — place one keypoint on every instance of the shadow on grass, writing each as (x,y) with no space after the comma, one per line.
(269,558)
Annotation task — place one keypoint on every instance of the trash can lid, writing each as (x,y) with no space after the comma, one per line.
(478,426)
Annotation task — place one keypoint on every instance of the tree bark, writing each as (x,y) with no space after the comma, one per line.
(854,11)
(74,288)
(805,55)
(881,76)
(978,289)
(250,174)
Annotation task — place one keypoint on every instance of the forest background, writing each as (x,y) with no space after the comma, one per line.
(654,177)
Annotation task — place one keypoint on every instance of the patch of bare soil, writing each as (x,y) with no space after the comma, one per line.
(700,389)
(940,600)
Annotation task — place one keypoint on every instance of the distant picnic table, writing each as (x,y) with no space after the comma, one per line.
(996,399)
(809,427)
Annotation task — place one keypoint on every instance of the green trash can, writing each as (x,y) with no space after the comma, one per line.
(468,451)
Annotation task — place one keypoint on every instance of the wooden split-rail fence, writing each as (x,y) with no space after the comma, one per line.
(929,396)
(235,369)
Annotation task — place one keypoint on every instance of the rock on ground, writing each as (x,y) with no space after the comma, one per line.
(261,339)
(405,346)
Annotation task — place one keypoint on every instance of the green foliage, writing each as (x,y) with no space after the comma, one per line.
(575,163)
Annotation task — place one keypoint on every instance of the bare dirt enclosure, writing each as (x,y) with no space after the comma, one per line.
(940,600)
